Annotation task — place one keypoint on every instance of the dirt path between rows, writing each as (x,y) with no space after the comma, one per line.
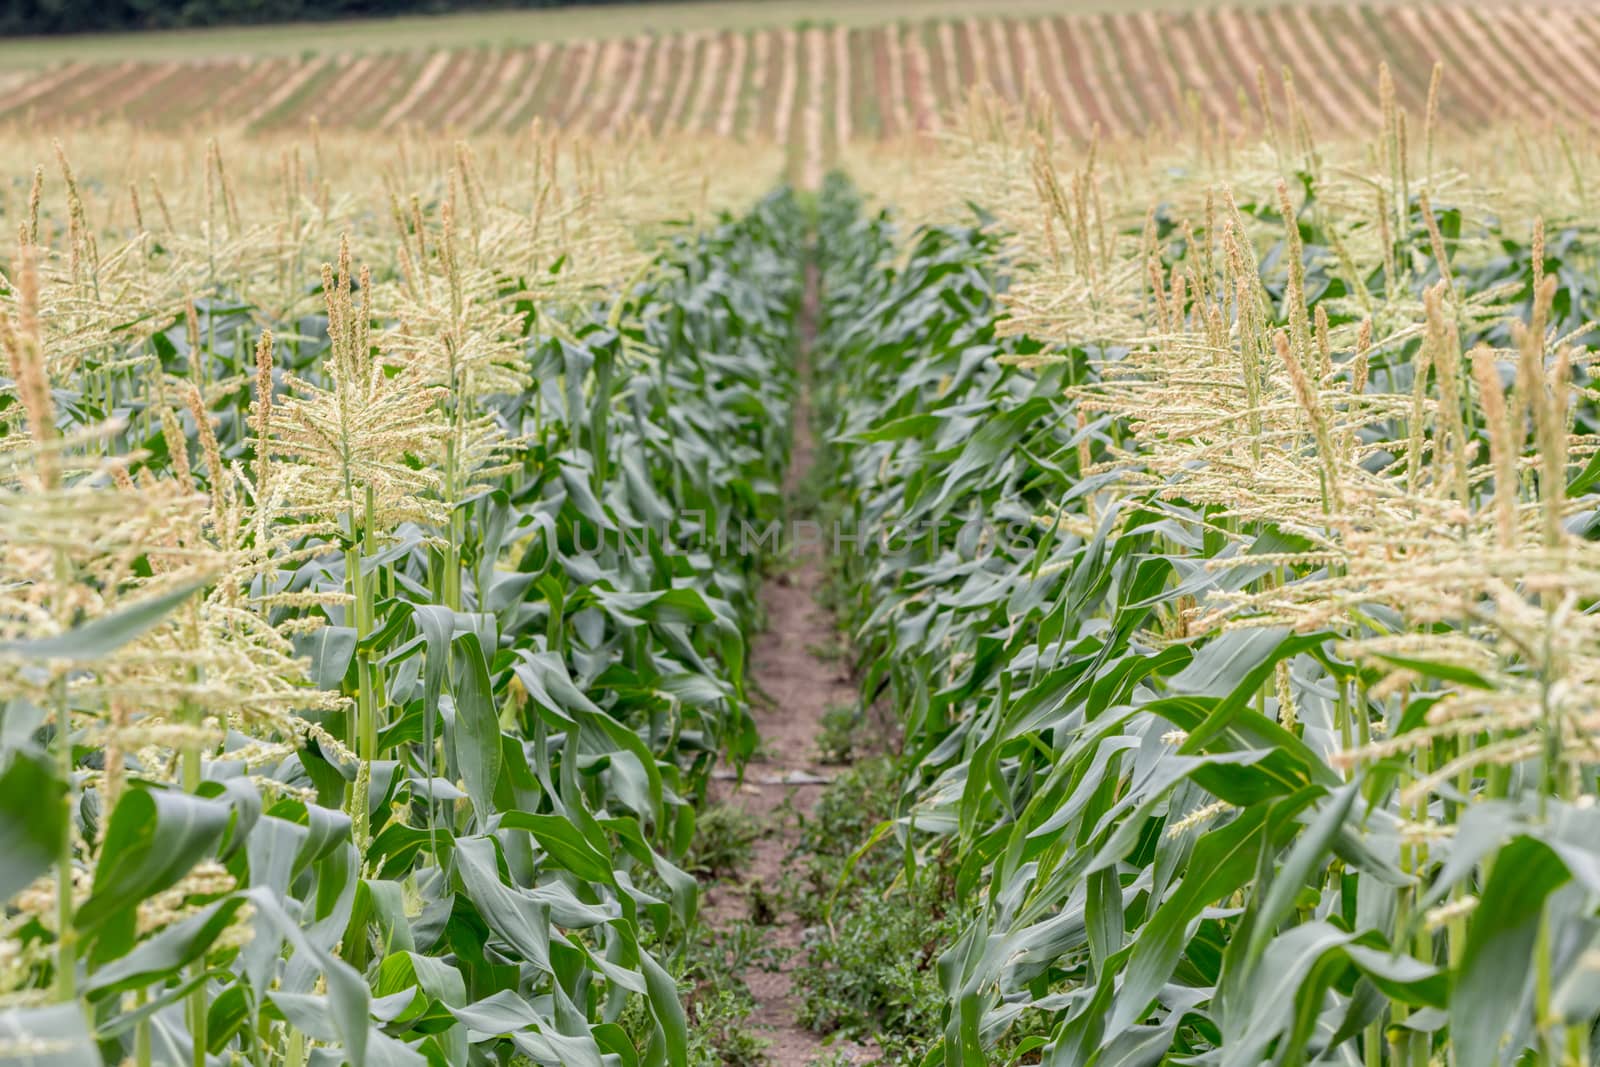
(789,669)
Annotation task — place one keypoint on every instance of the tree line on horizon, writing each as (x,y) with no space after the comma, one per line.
(21,17)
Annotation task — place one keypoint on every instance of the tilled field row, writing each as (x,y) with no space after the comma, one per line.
(817,87)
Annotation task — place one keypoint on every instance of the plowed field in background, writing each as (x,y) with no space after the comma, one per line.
(817,86)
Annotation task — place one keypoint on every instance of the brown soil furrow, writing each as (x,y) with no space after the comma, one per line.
(640,57)
(359,99)
(1028,61)
(787,86)
(446,90)
(1082,107)
(431,72)
(1237,32)
(1563,31)
(519,110)
(733,88)
(1391,46)
(1224,36)
(1195,75)
(1358,57)
(688,48)
(877,51)
(712,67)
(865,114)
(663,80)
(1001,62)
(762,82)
(508,80)
(1466,41)
(481,84)
(919,72)
(382,87)
(552,93)
(102,100)
(978,47)
(1234,64)
(555,97)
(899,91)
(95,81)
(1127,71)
(1511,34)
(331,103)
(35,87)
(784,775)
(130,103)
(581,90)
(964,67)
(240,79)
(461,86)
(1420,45)
(1143,34)
(811,167)
(1314,87)
(1091,44)
(841,85)
(1126,66)
(1269,63)
(1070,112)
(173,101)
(286,90)
(829,97)
(294,111)
(943,45)
(1582,29)
(610,81)
(1221,42)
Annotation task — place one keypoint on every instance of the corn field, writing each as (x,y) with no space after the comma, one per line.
(324,667)
(1212,518)
(1245,684)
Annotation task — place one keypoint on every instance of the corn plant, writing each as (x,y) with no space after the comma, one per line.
(361,665)
(1232,586)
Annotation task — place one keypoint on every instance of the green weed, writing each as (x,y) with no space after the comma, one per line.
(725,838)
(871,965)
(843,735)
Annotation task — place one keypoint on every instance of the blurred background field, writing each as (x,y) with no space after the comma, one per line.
(814,76)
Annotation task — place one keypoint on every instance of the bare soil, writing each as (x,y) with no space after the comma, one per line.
(800,682)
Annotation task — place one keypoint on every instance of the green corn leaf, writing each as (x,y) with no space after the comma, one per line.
(53,1036)
(155,837)
(31,822)
(569,848)
(98,638)
(477,725)
(1496,966)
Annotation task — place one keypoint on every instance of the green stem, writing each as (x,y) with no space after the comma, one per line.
(356,734)
(1550,1037)
(199,1005)
(1341,716)
(451,584)
(66,934)
(141,1037)
(366,617)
